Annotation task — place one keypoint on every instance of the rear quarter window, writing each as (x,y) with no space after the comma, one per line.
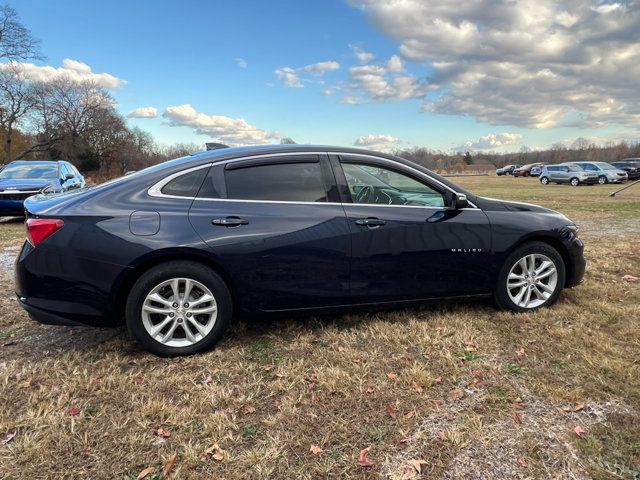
(186,185)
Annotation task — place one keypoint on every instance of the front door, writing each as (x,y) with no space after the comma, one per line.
(406,242)
(270,224)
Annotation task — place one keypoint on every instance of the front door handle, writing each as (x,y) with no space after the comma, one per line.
(371,222)
(230,221)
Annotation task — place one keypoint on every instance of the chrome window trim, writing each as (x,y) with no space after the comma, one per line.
(15,192)
(156,189)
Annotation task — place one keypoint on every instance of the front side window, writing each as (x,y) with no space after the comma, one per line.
(590,167)
(283,182)
(371,184)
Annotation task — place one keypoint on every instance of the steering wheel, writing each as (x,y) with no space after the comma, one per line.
(365,194)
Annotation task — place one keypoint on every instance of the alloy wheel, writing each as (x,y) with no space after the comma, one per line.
(544,180)
(602,180)
(179,312)
(532,280)
(575,182)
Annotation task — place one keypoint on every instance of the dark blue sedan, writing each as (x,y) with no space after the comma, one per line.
(22,179)
(179,248)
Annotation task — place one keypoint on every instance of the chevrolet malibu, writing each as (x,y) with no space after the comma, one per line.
(177,249)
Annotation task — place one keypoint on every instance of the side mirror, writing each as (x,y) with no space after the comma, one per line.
(69,176)
(460,201)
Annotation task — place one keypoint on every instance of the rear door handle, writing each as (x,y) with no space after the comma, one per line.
(371,222)
(230,222)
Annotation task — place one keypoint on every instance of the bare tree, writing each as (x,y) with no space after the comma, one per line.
(16,41)
(17,99)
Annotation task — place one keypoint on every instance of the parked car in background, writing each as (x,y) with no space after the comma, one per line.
(22,179)
(525,170)
(536,170)
(631,166)
(606,172)
(178,248)
(567,173)
(506,170)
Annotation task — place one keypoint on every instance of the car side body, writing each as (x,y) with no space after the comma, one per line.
(24,178)
(313,241)
(567,173)
(525,170)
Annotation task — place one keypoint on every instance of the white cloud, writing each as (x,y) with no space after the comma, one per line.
(232,131)
(290,77)
(376,142)
(241,62)
(378,83)
(361,55)
(72,69)
(492,141)
(530,63)
(143,112)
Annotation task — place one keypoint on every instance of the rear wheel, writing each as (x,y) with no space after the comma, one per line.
(602,180)
(575,182)
(544,180)
(178,308)
(531,278)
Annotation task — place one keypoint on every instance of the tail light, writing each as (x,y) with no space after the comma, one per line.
(39,229)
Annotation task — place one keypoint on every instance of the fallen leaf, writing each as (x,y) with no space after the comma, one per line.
(168,466)
(27,383)
(517,418)
(416,388)
(145,472)
(456,394)
(630,278)
(580,431)
(216,452)
(268,368)
(477,373)
(316,450)
(8,437)
(417,464)
(370,390)
(74,411)
(402,441)
(392,375)
(138,379)
(161,432)
(442,435)
(277,404)
(520,353)
(521,461)
(391,410)
(207,379)
(408,473)
(363,458)
(247,409)
(410,414)
(437,380)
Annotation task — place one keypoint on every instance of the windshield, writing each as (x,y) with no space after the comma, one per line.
(24,172)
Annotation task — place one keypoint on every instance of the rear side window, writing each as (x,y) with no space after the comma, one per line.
(186,185)
(284,182)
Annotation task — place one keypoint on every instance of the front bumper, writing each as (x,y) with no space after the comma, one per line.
(576,263)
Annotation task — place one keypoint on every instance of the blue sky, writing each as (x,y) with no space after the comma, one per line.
(175,53)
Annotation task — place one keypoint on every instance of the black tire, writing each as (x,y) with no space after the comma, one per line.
(501,295)
(544,180)
(178,269)
(602,180)
(574,182)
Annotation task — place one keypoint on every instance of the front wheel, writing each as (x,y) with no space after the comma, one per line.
(531,278)
(178,308)
(602,180)
(575,182)
(544,180)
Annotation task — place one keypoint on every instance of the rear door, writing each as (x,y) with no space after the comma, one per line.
(276,225)
(406,243)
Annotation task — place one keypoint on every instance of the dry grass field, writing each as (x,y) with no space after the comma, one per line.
(449,391)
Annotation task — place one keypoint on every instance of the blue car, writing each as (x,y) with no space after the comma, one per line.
(178,249)
(22,179)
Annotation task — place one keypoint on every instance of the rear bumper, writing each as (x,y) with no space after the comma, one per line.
(11,208)
(46,317)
